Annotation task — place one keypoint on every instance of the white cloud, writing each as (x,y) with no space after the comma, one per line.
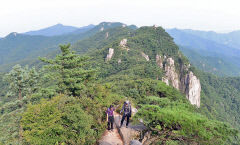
(25,15)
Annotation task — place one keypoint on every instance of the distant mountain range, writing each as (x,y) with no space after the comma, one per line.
(230,39)
(210,51)
(27,47)
(59,29)
(217,53)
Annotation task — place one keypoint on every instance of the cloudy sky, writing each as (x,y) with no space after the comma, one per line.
(24,15)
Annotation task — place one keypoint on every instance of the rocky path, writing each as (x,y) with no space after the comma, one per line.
(112,137)
(123,135)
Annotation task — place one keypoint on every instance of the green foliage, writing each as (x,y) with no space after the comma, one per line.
(53,116)
(9,127)
(220,98)
(25,49)
(69,71)
(100,40)
(58,120)
(10,116)
(22,81)
(67,119)
(3,86)
(179,124)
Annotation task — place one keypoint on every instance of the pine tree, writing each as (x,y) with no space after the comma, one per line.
(70,71)
(17,81)
(22,81)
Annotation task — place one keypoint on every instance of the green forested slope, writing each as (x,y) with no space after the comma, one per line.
(68,106)
(209,52)
(25,49)
(231,39)
(211,64)
(221,98)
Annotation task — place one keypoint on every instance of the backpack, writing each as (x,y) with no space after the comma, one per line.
(127,109)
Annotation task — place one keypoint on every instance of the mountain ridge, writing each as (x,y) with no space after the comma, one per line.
(142,65)
(59,29)
(17,47)
(207,48)
(230,39)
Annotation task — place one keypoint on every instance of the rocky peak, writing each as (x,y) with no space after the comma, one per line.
(12,35)
(187,83)
(155,26)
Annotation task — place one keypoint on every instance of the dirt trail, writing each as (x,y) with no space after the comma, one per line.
(120,136)
(112,137)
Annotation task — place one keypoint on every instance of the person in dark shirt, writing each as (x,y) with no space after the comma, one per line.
(110,117)
(127,112)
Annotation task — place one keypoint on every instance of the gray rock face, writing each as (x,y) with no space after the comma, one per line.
(145,56)
(188,83)
(110,54)
(171,74)
(193,89)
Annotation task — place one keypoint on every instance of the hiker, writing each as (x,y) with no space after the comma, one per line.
(127,112)
(110,117)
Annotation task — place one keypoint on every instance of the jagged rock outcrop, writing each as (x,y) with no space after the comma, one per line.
(193,88)
(123,44)
(187,83)
(171,74)
(145,56)
(159,61)
(102,28)
(110,54)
